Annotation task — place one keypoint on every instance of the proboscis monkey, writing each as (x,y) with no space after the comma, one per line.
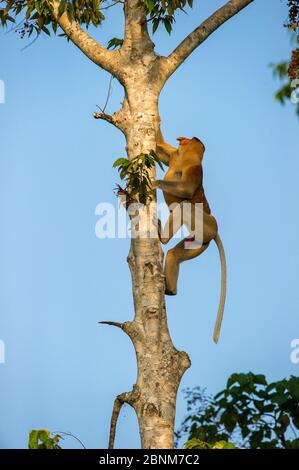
(183,184)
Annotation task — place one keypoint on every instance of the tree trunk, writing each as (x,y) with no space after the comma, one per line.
(160,365)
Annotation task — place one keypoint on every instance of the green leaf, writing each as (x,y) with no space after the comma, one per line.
(256,438)
(224,445)
(45,30)
(260,379)
(167,25)
(150,5)
(157,159)
(121,161)
(293,444)
(38,6)
(40,22)
(33,439)
(196,444)
(268,408)
(43,435)
(280,399)
(284,421)
(156,23)
(54,27)
(232,379)
(71,12)
(123,174)
(62,7)
(114,43)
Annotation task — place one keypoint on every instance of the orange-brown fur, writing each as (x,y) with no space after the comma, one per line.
(183,181)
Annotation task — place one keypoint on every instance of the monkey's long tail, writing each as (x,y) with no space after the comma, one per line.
(223,289)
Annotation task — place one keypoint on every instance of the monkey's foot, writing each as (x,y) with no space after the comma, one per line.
(170,292)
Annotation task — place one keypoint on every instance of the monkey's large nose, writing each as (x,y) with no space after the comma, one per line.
(183,140)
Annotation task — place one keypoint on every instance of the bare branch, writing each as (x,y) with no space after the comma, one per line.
(202,32)
(113,323)
(68,433)
(112,5)
(118,403)
(131,328)
(114,119)
(105,117)
(119,119)
(127,397)
(89,46)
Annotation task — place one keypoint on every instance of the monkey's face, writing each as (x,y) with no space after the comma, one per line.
(189,147)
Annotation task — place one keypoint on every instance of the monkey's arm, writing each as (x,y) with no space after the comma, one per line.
(176,188)
(162,153)
(186,187)
(164,150)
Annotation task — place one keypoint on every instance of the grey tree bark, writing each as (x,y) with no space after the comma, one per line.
(143,74)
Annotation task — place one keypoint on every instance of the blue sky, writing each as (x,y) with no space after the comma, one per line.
(63,370)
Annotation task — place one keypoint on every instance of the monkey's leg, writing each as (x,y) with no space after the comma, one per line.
(201,225)
(181,252)
(174,257)
(172,225)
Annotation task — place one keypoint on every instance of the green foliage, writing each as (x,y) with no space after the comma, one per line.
(281,71)
(41,439)
(293,18)
(37,15)
(135,173)
(163,11)
(249,412)
(284,93)
(194,443)
(224,445)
